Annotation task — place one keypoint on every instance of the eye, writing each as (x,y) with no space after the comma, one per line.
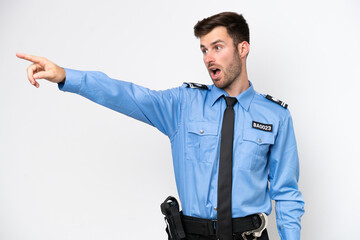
(204,51)
(217,47)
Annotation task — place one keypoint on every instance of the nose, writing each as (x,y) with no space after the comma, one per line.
(208,58)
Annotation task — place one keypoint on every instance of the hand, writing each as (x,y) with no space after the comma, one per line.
(42,69)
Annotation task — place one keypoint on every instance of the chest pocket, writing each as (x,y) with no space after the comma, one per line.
(201,141)
(256,145)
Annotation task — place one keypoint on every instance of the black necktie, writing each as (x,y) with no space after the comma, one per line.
(224,216)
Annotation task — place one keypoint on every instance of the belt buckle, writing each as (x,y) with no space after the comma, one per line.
(258,231)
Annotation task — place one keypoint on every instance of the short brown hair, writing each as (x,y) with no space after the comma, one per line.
(235,24)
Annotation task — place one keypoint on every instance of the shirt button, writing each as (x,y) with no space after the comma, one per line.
(201,131)
(215,208)
(260,140)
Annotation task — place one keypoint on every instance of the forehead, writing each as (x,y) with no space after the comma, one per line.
(218,33)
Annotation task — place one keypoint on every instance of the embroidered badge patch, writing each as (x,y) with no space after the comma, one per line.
(262,126)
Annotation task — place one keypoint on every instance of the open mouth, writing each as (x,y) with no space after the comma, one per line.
(215,72)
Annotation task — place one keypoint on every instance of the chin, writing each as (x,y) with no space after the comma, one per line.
(218,83)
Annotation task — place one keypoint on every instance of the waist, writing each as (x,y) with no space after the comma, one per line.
(204,203)
(207,227)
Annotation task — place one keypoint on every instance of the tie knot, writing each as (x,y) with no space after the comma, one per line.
(230,101)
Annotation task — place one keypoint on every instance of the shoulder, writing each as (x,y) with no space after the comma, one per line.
(275,100)
(270,110)
(195,93)
(273,104)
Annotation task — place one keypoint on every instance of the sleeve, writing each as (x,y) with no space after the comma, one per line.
(283,178)
(160,109)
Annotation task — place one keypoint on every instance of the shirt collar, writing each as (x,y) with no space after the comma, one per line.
(243,98)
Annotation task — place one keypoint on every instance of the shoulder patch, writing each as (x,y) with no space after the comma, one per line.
(275,100)
(196,85)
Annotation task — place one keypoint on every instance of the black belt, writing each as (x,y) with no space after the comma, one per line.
(206,227)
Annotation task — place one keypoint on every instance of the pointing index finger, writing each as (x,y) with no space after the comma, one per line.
(28,57)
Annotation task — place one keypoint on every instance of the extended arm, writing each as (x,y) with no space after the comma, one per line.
(160,109)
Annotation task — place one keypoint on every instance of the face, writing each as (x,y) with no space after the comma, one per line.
(221,58)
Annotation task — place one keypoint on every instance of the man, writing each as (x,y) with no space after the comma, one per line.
(233,149)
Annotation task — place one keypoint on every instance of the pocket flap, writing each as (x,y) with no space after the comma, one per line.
(203,128)
(257,136)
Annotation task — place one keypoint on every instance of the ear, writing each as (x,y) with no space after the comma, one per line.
(243,49)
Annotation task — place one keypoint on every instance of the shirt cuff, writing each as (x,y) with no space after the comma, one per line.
(290,234)
(73,81)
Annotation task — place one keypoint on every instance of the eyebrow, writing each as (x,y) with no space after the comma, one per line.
(213,43)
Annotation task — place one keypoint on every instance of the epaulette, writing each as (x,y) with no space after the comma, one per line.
(196,85)
(275,100)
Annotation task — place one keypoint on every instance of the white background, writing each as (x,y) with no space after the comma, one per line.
(71,169)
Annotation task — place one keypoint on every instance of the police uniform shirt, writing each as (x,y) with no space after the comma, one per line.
(265,158)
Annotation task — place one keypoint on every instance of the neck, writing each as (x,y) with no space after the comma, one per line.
(239,85)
